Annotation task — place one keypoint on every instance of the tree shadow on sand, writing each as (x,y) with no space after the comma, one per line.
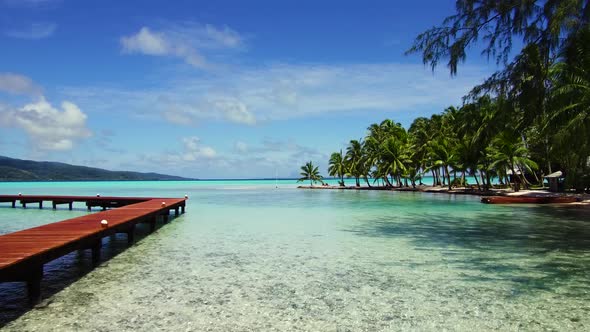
(538,249)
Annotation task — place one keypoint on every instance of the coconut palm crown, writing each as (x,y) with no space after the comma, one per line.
(337,166)
(311,173)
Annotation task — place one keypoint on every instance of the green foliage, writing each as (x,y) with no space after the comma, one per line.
(460,141)
(337,166)
(534,114)
(459,182)
(497,23)
(568,124)
(311,173)
(354,160)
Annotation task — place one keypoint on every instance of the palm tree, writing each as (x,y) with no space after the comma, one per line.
(419,137)
(311,173)
(443,156)
(394,158)
(508,151)
(570,119)
(467,156)
(354,159)
(337,166)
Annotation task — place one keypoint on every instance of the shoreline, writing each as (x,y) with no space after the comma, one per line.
(584,199)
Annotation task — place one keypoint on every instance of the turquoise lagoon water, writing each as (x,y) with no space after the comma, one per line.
(248,256)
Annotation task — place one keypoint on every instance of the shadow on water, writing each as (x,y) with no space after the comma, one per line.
(536,248)
(60,273)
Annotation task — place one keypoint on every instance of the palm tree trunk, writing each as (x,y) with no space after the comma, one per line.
(515,176)
(476,181)
(433,177)
(536,179)
(448,176)
(367,181)
(547,154)
(386,180)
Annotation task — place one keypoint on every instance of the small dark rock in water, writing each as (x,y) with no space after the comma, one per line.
(575,319)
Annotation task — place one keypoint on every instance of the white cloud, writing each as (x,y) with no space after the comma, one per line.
(145,42)
(258,95)
(219,108)
(240,147)
(191,143)
(281,92)
(207,152)
(258,160)
(192,160)
(37,30)
(187,41)
(47,127)
(18,84)
(235,111)
(160,44)
(194,150)
(213,37)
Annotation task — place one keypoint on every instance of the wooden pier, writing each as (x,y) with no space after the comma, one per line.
(91,201)
(24,253)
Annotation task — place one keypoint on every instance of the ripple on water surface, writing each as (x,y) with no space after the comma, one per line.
(266,259)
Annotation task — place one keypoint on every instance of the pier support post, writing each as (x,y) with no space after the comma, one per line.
(24,204)
(96,252)
(40,204)
(56,203)
(88,206)
(176,211)
(182,208)
(165,217)
(153,224)
(131,235)
(13,204)
(34,284)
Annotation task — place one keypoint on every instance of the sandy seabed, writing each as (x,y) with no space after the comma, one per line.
(312,268)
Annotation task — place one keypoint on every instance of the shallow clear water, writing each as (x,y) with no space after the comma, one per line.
(248,257)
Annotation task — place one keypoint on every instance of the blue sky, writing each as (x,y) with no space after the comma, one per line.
(222,89)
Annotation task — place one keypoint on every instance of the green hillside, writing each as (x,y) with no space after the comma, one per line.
(27,170)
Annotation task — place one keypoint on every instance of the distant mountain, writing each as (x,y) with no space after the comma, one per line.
(28,170)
